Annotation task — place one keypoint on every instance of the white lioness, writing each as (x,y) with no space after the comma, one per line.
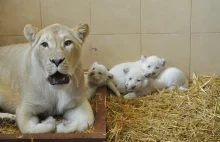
(165,78)
(45,78)
(118,83)
(136,83)
(98,76)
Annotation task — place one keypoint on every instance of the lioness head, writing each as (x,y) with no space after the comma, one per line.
(134,79)
(98,74)
(153,65)
(57,50)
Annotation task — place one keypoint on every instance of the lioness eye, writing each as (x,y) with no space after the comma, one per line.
(129,78)
(44,44)
(157,68)
(100,73)
(148,66)
(93,69)
(68,42)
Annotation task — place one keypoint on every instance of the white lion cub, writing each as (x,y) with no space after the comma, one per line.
(118,83)
(168,78)
(136,83)
(98,76)
(171,78)
(153,66)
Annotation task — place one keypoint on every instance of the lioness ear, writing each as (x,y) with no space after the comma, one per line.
(30,32)
(163,61)
(126,70)
(81,32)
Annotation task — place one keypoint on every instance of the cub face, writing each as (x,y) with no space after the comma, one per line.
(134,79)
(153,65)
(98,74)
(57,50)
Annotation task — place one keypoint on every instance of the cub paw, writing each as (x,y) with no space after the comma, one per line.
(118,94)
(129,95)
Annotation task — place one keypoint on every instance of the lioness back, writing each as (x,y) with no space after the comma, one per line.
(13,62)
(12,72)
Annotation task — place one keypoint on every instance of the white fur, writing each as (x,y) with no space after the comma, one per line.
(98,76)
(119,76)
(153,66)
(168,78)
(24,84)
(118,83)
(171,78)
(7,116)
(136,83)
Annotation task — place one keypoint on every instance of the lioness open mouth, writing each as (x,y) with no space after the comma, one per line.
(58,78)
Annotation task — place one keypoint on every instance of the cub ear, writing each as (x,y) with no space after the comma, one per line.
(143,58)
(95,63)
(126,70)
(30,32)
(110,76)
(81,32)
(163,61)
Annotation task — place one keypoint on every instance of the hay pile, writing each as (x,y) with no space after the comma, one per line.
(8,127)
(168,115)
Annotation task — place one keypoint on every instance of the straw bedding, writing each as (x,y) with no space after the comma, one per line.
(168,115)
(163,115)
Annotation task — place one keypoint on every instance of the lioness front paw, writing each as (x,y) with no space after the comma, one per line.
(50,124)
(49,119)
(66,126)
(41,128)
(8,117)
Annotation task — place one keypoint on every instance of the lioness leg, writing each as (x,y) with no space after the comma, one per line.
(76,119)
(29,123)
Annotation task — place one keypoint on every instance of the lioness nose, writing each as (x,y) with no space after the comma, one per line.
(57,61)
